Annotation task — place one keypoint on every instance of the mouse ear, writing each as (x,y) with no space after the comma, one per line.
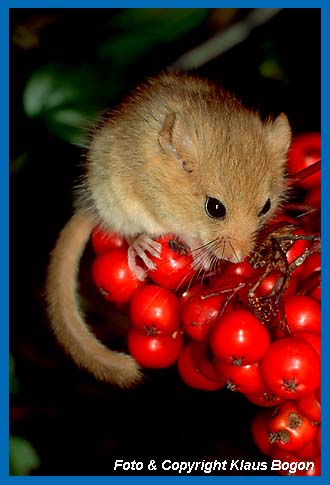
(169,139)
(279,134)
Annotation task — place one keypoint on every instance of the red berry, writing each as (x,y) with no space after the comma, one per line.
(155,310)
(154,351)
(103,241)
(239,338)
(113,277)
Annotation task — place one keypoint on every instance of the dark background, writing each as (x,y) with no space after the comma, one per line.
(66,66)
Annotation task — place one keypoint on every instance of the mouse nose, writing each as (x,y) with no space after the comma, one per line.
(234,256)
(236,251)
(237,257)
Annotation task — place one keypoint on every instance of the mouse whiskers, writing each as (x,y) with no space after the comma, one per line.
(232,247)
(206,257)
(310,210)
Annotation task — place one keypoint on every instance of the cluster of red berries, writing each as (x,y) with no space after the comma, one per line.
(253,327)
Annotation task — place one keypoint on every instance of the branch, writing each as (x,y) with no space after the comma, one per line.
(223,41)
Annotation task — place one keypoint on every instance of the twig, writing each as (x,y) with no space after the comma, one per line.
(222,42)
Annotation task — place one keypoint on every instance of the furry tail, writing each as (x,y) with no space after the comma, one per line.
(66,318)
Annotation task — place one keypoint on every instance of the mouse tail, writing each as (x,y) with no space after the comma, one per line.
(66,317)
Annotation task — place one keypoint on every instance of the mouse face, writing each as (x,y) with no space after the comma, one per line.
(229,180)
(182,156)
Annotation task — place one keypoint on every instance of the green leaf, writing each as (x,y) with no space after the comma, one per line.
(22,456)
(271,68)
(49,87)
(137,32)
(70,124)
(159,21)
(66,99)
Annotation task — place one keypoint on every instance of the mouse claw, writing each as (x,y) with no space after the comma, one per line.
(139,272)
(139,247)
(153,247)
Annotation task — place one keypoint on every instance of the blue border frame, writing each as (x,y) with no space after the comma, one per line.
(4,244)
(4,211)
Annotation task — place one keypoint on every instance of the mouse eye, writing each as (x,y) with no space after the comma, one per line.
(214,208)
(265,208)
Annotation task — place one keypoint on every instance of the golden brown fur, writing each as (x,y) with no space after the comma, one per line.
(173,142)
(65,315)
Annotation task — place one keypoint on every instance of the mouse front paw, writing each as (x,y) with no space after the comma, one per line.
(139,247)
